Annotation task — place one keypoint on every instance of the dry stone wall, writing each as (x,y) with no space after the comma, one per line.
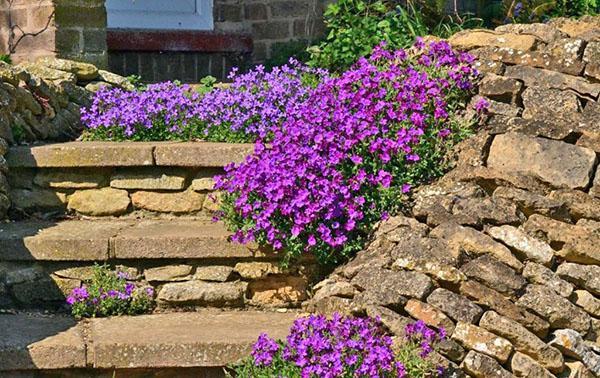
(504,250)
(41,101)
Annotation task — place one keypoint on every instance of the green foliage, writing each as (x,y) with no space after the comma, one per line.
(109,293)
(281,52)
(5,58)
(356,26)
(528,11)
(206,85)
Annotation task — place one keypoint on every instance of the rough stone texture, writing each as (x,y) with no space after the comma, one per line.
(99,202)
(254,270)
(200,154)
(525,366)
(523,340)
(219,273)
(573,243)
(149,179)
(541,275)
(168,273)
(277,291)
(559,311)
(480,340)
(429,314)
(587,301)
(530,248)
(187,202)
(456,306)
(572,344)
(586,276)
(78,179)
(481,366)
(403,283)
(547,79)
(581,205)
(559,164)
(469,39)
(491,272)
(203,293)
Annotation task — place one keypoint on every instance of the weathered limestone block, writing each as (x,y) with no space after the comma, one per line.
(559,164)
(394,322)
(47,73)
(149,178)
(204,180)
(575,243)
(546,79)
(528,247)
(524,366)
(277,290)
(115,79)
(83,71)
(434,269)
(37,198)
(571,343)
(472,242)
(489,66)
(586,27)
(470,39)
(492,299)
(168,273)
(455,306)
(580,204)
(568,49)
(560,312)
(329,288)
(498,108)
(26,101)
(531,203)
(331,305)
(203,293)
(398,283)
(70,179)
(500,88)
(429,314)
(99,202)
(587,301)
(481,366)
(584,276)
(491,272)
(480,340)
(541,275)
(82,273)
(523,340)
(218,273)
(554,102)
(177,203)
(546,33)
(255,269)
(592,52)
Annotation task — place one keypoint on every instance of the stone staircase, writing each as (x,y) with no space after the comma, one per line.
(145,208)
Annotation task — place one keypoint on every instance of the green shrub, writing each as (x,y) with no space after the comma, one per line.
(5,58)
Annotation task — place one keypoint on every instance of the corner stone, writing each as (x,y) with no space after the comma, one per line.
(99,202)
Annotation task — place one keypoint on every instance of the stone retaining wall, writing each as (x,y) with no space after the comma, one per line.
(101,179)
(503,251)
(145,207)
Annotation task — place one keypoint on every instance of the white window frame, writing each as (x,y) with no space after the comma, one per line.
(159,15)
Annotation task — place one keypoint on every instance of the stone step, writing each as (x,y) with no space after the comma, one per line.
(208,338)
(127,154)
(99,240)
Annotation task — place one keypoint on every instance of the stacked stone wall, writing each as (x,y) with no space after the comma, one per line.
(41,101)
(503,251)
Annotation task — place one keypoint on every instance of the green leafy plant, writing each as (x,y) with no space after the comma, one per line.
(281,52)
(110,293)
(5,58)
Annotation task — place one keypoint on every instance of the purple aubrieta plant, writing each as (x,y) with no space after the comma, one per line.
(342,158)
(343,347)
(247,109)
(109,293)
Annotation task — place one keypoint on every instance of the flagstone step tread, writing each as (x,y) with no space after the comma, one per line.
(208,338)
(127,154)
(99,240)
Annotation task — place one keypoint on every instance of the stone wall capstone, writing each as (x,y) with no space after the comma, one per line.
(503,251)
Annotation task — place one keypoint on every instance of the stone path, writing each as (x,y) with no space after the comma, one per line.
(209,338)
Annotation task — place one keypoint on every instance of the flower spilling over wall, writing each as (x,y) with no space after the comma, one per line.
(249,108)
(342,158)
(110,293)
(343,347)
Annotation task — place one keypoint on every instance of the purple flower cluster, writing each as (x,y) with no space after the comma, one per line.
(339,161)
(162,109)
(424,336)
(109,293)
(256,102)
(341,346)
